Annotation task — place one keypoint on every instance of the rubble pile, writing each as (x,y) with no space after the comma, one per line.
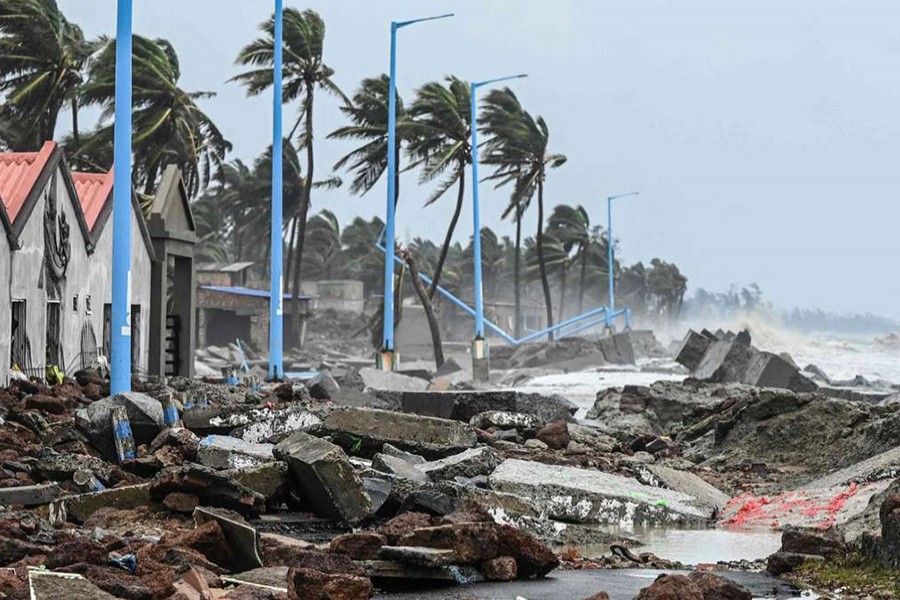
(193,489)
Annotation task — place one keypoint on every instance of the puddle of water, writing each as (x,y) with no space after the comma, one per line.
(694,546)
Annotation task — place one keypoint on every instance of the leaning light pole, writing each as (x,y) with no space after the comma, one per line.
(387,358)
(120,334)
(276,279)
(610,256)
(480,350)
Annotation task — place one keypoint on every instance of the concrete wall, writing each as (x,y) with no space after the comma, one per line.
(341,295)
(101,283)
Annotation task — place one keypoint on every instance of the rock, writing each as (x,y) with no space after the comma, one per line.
(470,542)
(598,596)
(464,405)
(207,539)
(323,386)
(809,541)
(368,429)
(555,435)
(49,404)
(671,587)
(358,546)
(269,479)
(586,496)
(278,550)
(252,424)
(889,515)
(225,452)
(307,584)
(325,477)
(145,415)
(502,568)
(785,562)
(536,444)
(533,557)
(182,440)
(501,419)
(213,489)
(707,496)
(398,468)
(714,587)
(379,491)
(470,463)
(693,347)
(413,459)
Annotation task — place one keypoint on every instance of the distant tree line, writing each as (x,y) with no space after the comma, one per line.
(48,67)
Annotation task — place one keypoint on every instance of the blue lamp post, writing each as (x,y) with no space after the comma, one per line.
(480,350)
(276,280)
(386,357)
(120,336)
(610,256)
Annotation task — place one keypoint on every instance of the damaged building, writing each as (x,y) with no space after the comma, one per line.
(56,268)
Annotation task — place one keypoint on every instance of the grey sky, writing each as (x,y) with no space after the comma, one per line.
(763,135)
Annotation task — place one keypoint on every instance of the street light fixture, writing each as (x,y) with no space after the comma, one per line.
(610,255)
(120,334)
(480,350)
(276,277)
(386,357)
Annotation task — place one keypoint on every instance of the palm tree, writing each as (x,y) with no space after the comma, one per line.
(517,146)
(304,73)
(42,60)
(440,130)
(325,259)
(368,115)
(572,226)
(169,127)
(364,261)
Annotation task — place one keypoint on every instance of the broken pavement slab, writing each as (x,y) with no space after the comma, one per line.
(226,452)
(325,477)
(364,431)
(686,482)
(30,495)
(398,467)
(78,508)
(617,349)
(241,537)
(463,405)
(210,486)
(585,496)
(376,379)
(469,463)
(47,585)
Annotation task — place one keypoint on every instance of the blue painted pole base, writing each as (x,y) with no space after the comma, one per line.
(387,360)
(481,360)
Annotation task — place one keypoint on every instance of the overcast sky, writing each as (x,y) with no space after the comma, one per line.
(762,135)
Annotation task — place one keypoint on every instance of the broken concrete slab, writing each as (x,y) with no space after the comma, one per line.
(418,556)
(470,542)
(268,479)
(79,508)
(724,362)
(30,495)
(366,430)
(145,416)
(47,585)
(258,425)
(242,538)
(464,405)
(398,467)
(706,494)
(469,463)
(693,347)
(770,370)
(585,496)
(617,349)
(212,487)
(322,386)
(413,459)
(376,379)
(502,419)
(225,452)
(325,477)
(390,569)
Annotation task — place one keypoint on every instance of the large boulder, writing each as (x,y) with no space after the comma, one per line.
(324,477)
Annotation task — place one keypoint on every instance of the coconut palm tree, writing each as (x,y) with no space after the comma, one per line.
(304,73)
(325,259)
(364,262)
(572,226)
(517,146)
(440,134)
(169,126)
(368,115)
(42,60)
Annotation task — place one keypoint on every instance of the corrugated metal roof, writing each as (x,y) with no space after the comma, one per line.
(219,267)
(242,291)
(93,189)
(19,171)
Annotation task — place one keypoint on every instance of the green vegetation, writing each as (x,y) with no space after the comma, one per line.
(853,575)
